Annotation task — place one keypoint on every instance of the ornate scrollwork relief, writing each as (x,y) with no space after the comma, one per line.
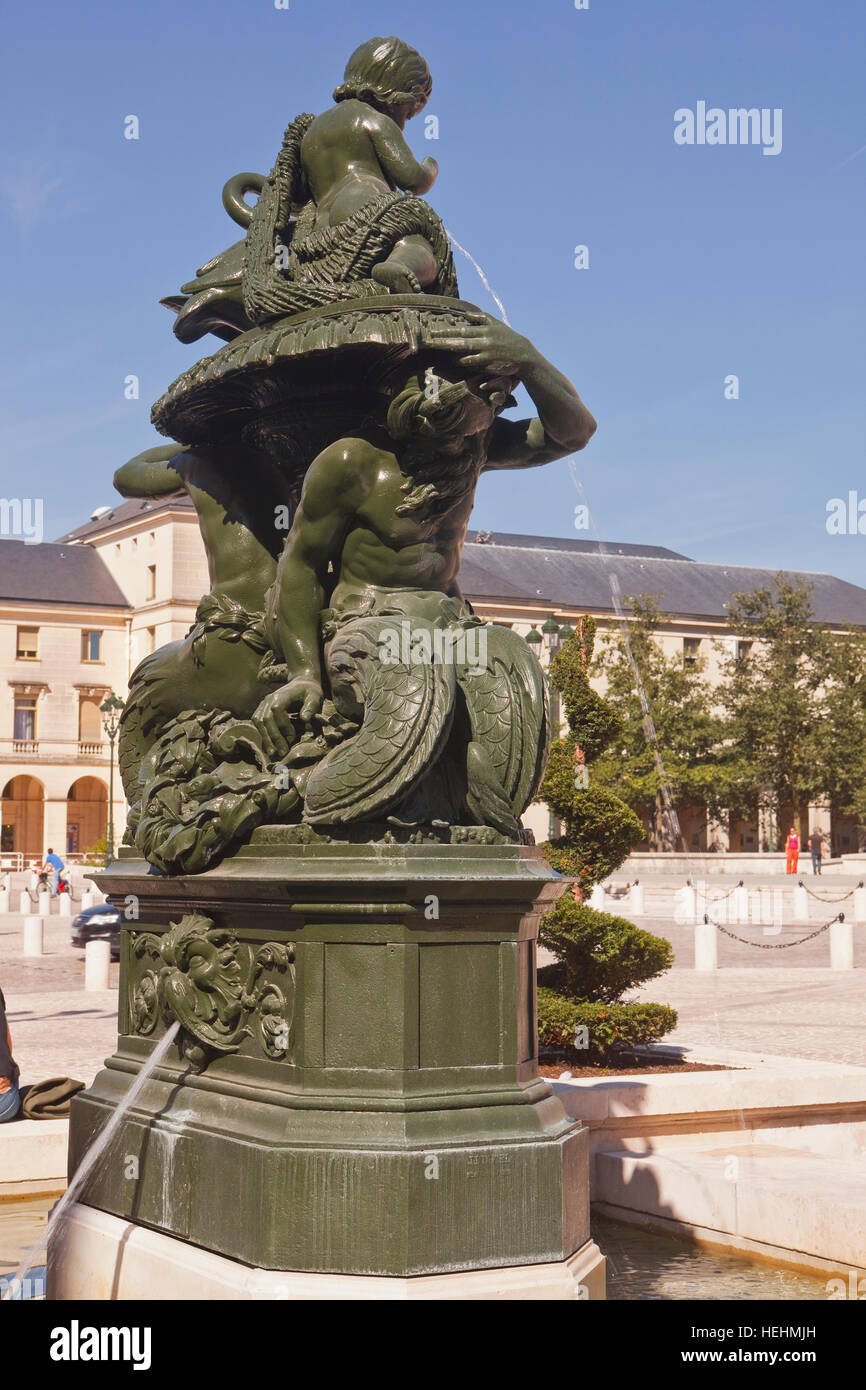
(203,976)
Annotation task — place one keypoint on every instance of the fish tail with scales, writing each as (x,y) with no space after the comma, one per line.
(407,713)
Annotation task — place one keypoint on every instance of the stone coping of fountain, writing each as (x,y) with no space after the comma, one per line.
(764,1158)
(33,1158)
(753,1084)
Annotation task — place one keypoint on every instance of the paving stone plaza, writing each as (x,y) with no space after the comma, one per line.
(787,1002)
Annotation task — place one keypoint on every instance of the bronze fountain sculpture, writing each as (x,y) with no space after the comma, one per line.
(335,814)
(386,411)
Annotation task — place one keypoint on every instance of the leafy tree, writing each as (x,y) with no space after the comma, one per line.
(671,732)
(836,741)
(599,828)
(599,957)
(775,697)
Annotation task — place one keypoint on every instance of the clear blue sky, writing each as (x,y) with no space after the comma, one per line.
(556,128)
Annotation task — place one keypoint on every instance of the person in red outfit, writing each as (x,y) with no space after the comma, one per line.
(792,845)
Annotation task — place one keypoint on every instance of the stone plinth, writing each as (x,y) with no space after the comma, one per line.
(355,1090)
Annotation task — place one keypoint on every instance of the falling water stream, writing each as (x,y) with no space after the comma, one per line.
(91,1159)
(484,280)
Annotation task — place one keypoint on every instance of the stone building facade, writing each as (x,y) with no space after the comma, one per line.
(76,617)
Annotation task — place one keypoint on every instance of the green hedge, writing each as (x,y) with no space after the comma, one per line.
(610,1028)
(600,956)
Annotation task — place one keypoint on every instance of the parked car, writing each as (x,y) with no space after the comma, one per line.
(100,923)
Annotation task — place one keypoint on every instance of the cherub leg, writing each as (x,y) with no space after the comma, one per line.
(410,267)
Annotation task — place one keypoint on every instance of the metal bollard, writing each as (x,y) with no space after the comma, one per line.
(86,899)
(801,904)
(635,898)
(65,908)
(596,897)
(97,965)
(706,946)
(24,903)
(34,936)
(860,903)
(4,899)
(842,944)
(45,903)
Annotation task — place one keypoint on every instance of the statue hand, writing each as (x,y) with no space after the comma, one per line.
(302,695)
(485,346)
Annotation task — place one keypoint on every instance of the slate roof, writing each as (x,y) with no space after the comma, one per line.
(580,579)
(126,511)
(573,544)
(558,571)
(52,573)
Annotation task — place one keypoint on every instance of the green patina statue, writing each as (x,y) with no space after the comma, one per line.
(329,223)
(335,679)
(327,994)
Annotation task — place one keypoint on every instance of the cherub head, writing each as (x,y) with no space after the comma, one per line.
(387,74)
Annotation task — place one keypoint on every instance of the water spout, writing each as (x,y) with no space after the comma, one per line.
(484,280)
(92,1157)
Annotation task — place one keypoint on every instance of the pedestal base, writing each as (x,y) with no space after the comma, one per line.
(353,1099)
(98,1256)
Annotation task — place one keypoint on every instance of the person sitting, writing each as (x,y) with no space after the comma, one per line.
(10,1097)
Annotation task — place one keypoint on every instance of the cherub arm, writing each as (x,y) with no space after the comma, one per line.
(336,482)
(397,160)
(150,474)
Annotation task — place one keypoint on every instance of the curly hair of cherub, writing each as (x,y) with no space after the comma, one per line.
(384,73)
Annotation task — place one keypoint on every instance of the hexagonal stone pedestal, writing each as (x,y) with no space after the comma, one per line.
(354,1091)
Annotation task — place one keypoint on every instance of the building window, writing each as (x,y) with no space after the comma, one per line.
(91,646)
(151,581)
(24,727)
(691,650)
(27,645)
(744,651)
(151,639)
(89,719)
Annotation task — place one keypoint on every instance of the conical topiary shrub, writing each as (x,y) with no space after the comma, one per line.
(599,957)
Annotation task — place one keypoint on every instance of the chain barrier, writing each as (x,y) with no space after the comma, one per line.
(724,897)
(840,899)
(776,946)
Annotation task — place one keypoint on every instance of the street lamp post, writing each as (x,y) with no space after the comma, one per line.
(110,709)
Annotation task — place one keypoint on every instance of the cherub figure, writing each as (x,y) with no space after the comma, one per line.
(340,215)
(355,153)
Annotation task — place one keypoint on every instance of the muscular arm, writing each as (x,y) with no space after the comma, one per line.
(336,482)
(150,474)
(397,160)
(563,424)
